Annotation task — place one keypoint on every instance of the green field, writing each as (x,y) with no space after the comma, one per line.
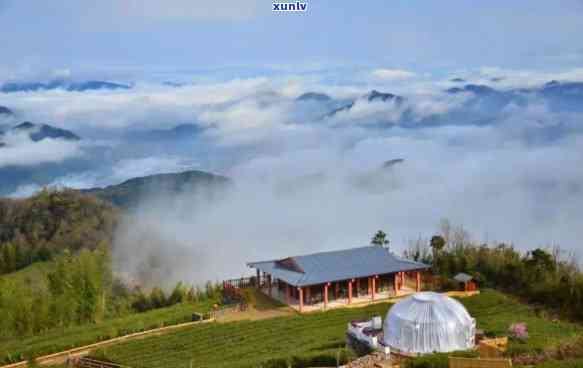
(251,343)
(495,312)
(32,276)
(18,348)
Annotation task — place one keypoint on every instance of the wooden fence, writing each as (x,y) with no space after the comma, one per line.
(493,348)
(455,362)
(85,362)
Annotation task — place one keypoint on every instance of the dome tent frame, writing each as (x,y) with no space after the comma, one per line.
(427,323)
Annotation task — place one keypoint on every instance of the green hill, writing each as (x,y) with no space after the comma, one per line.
(132,192)
(315,337)
(33,229)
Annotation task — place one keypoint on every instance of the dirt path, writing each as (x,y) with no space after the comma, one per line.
(61,357)
(256,314)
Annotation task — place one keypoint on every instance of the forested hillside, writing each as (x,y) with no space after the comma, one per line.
(131,193)
(36,228)
(548,277)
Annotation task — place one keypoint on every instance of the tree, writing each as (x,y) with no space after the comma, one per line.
(380,239)
(157,298)
(178,294)
(437,244)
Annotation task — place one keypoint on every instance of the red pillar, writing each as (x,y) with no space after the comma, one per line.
(418,281)
(287,292)
(396,283)
(350,291)
(301,297)
(326,295)
(368,286)
(373,279)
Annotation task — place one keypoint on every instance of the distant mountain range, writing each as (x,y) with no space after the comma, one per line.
(181,131)
(132,192)
(5,111)
(38,132)
(61,84)
(314,96)
(372,96)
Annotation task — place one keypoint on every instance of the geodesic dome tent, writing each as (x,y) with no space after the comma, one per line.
(429,322)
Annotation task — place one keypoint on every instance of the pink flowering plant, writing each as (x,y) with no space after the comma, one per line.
(518,331)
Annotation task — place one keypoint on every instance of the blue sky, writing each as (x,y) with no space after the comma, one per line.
(134,37)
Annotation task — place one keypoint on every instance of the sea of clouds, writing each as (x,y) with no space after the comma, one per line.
(306,183)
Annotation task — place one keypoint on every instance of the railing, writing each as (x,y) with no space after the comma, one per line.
(247,282)
(85,362)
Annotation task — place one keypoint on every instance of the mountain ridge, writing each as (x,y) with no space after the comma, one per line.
(39,132)
(82,86)
(131,192)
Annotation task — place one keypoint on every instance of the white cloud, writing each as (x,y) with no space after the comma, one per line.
(317,184)
(132,168)
(392,74)
(145,106)
(19,150)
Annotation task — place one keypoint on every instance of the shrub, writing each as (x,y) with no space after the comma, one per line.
(518,331)
(249,297)
(569,349)
(329,359)
(438,360)
(577,363)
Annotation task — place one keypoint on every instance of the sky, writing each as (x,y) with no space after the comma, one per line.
(503,167)
(131,38)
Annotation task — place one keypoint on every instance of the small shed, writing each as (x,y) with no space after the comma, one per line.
(466,281)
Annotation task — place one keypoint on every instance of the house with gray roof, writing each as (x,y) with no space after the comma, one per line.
(325,279)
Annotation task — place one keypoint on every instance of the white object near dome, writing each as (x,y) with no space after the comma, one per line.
(429,322)
(377,322)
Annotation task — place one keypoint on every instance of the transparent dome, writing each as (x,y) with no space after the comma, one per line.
(429,322)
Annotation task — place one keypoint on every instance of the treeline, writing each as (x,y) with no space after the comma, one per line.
(13,257)
(75,290)
(181,293)
(37,228)
(80,289)
(547,277)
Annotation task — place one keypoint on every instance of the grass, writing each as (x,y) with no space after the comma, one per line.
(251,343)
(16,348)
(56,340)
(495,312)
(32,276)
(243,343)
(575,363)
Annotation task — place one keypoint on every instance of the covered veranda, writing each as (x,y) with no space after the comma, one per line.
(338,278)
(337,294)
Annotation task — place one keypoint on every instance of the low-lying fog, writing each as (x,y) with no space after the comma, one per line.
(304,184)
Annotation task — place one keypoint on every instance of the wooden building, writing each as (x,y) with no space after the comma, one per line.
(330,279)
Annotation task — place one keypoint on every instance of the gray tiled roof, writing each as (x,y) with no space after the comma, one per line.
(463,277)
(339,265)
